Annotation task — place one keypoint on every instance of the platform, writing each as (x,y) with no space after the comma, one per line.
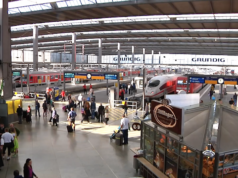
(87,153)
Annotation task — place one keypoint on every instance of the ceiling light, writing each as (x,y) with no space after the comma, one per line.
(208,153)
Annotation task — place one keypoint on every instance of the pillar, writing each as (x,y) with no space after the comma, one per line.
(35,48)
(143,55)
(43,56)
(152,57)
(119,54)
(5,53)
(133,54)
(22,55)
(100,52)
(159,57)
(73,51)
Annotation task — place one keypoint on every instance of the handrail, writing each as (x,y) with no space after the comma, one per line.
(119,103)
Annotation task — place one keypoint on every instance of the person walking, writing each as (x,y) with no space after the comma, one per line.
(37,108)
(63,95)
(84,89)
(28,114)
(235,99)
(106,115)
(71,117)
(211,93)
(19,114)
(8,142)
(17,174)
(69,97)
(125,107)
(28,170)
(231,102)
(80,99)
(54,116)
(101,112)
(122,94)
(1,152)
(48,99)
(16,146)
(87,113)
(93,109)
(124,128)
(129,88)
(44,106)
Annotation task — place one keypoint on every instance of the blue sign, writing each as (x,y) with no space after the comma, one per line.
(197,79)
(16,74)
(68,75)
(111,77)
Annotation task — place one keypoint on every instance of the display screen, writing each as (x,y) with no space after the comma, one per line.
(197,79)
(16,74)
(111,77)
(68,75)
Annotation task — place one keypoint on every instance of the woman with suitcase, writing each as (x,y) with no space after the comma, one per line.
(106,110)
(28,115)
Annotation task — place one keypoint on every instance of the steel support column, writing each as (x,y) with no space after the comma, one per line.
(133,54)
(143,55)
(119,54)
(5,53)
(35,48)
(100,52)
(73,51)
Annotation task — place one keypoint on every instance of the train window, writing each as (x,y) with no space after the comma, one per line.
(39,77)
(42,78)
(52,77)
(154,83)
(56,77)
(31,78)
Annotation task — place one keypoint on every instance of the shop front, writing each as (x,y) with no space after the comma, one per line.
(191,142)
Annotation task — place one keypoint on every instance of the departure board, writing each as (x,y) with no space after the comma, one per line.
(197,79)
(68,75)
(16,74)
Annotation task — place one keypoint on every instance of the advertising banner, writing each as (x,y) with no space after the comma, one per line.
(171,168)
(167,116)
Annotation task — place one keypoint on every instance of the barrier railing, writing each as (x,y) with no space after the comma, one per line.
(132,104)
(21,95)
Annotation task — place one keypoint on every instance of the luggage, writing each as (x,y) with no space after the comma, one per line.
(119,139)
(69,128)
(64,108)
(24,114)
(57,117)
(88,98)
(28,118)
(75,105)
(115,132)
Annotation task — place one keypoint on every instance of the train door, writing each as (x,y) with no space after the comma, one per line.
(47,79)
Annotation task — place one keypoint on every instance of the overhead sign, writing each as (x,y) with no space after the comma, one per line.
(96,76)
(214,80)
(16,74)
(68,75)
(197,79)
(111,77)
(167,116)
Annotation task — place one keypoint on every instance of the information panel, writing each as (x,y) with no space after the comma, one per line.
(111,77)
(197,79)
(16,74)
(68,75)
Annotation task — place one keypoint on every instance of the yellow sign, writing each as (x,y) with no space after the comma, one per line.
(116,84)
(10,107)
(39,81)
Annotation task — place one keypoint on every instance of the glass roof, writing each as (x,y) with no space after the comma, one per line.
(31,8)
(151,18)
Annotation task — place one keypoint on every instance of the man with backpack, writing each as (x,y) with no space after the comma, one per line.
(54,116)
(71,117)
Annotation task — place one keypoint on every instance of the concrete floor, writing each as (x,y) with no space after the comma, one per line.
(87,153)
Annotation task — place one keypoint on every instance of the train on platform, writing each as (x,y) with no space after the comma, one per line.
(41,77)
(159,86)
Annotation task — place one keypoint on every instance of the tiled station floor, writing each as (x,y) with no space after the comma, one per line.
(87,153)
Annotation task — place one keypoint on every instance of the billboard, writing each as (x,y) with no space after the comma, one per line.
(167,116)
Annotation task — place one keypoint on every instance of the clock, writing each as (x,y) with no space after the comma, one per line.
(220,81)
(89,76)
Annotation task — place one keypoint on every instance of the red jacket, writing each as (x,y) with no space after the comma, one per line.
(91,86)
(84,87)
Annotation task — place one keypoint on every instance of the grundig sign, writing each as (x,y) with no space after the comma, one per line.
(167,116)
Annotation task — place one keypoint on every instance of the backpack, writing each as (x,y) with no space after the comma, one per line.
(72,115)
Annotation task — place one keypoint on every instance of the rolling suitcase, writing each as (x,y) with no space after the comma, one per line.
(69,128)
(64,108)
(119,139)
(24,114)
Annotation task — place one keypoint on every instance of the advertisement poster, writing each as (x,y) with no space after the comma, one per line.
(159,160)
(167,116)
(171,168)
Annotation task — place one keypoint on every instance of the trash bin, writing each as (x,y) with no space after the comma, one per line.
(119,139)
(136,163)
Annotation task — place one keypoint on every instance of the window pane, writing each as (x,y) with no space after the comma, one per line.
(24,9)
(46,6)
(52,77)
(56,77)
(35,8)
(61,4)
(13,11)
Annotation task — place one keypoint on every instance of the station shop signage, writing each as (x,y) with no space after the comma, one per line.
(167,116)
(214,80)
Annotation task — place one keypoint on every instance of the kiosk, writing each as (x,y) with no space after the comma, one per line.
(176,141)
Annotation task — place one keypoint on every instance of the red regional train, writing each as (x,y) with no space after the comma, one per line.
(41,77)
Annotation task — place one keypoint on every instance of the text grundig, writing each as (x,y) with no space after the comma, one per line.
(162,112)
(126,59)
(208,60)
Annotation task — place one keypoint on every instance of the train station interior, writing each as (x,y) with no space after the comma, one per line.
(118,88)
